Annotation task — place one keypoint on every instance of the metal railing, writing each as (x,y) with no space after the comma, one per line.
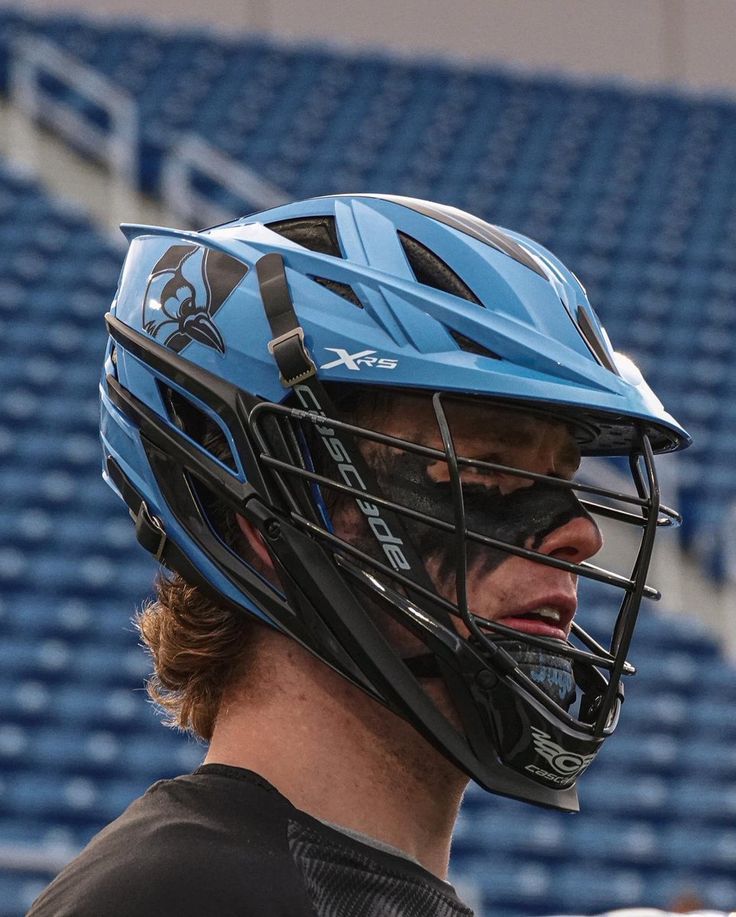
(194,158)
(115,143)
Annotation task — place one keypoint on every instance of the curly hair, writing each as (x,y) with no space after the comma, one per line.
(198,648)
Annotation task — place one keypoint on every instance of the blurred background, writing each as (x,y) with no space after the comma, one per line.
(607,131)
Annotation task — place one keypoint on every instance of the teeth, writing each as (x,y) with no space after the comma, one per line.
(547,612)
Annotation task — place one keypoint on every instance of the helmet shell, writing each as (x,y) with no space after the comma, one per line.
(536,338)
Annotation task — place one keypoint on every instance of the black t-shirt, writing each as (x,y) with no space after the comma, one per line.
(222,842)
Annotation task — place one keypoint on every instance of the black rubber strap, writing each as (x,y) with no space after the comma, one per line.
(424,666)
(287,346)
(148,529)
(150,532)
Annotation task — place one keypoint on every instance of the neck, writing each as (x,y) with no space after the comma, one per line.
(348,760)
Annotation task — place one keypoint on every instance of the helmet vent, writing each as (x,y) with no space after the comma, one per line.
(341,289)
(593,340)
(315,233)
(197,425)
(432,271)
(469,346)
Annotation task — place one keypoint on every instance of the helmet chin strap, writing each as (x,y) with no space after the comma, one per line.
(424,665)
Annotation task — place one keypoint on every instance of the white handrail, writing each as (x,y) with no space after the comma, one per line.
(116,145)
(193,156)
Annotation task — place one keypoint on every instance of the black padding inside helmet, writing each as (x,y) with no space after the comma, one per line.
(315,233)
(433,271)
(465,343)
(197,425)
(341,289)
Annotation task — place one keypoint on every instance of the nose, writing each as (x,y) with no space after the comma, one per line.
(575,541)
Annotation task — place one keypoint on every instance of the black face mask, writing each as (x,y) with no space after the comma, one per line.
(522,518)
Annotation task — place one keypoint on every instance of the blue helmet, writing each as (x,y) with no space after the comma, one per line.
(257,329)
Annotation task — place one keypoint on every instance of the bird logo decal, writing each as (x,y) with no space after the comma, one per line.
(186,288)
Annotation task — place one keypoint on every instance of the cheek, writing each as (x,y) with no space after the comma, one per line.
(444,582)
(489,588)
(492,590)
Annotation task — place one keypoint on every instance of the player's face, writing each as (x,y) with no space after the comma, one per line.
(522,594)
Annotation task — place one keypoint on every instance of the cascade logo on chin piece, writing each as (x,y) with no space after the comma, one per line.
(187,286)
(356,361)
(567,764)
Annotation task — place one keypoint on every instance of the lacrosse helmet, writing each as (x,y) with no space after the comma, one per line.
(256,328)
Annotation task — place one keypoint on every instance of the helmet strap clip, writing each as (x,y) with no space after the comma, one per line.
(292,358)
(149,531)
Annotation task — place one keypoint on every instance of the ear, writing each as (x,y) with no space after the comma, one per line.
(255,540)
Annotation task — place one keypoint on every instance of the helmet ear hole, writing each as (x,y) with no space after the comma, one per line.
(255,541)
(197,425)
(210,437)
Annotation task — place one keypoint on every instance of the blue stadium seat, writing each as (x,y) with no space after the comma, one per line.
(707,848)
(601,889)
(19,889)
(615,841)
(68,799)
(645,796)
(710,802)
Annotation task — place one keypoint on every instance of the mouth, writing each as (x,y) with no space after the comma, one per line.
(546,618)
